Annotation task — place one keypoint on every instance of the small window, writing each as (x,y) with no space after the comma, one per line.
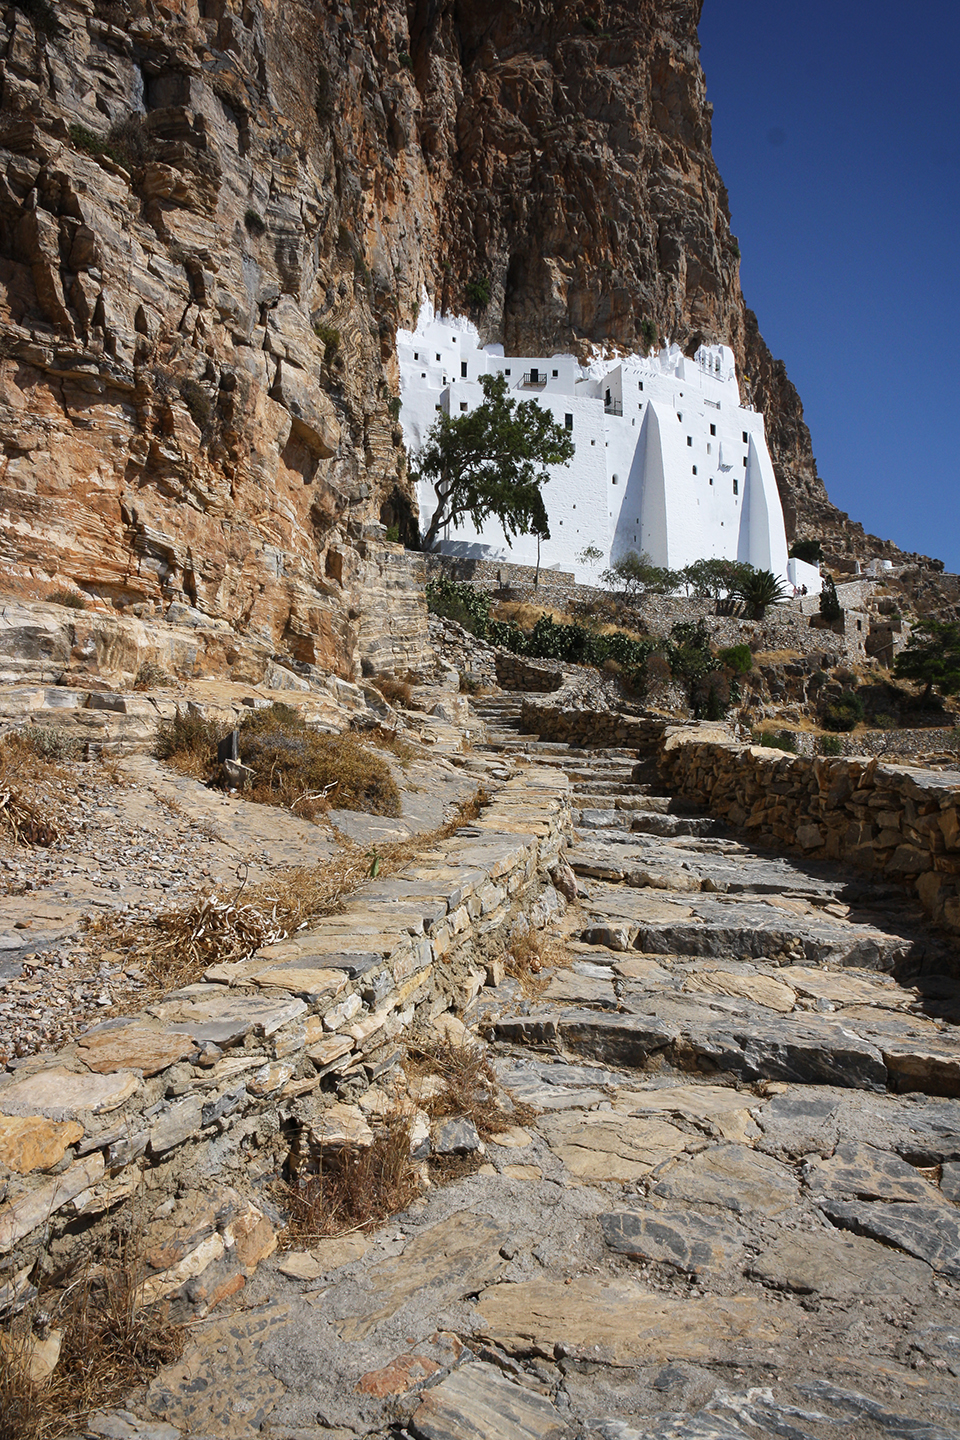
(736,486)
(709,448)
(711,480)
(574,507)
(713,429)
(423,374)
(506,372)
(454,339)
(463,369)
(746,438)
(416,354)
(694,468)
(593,442)
(438,407)
(679,416)
(568,421)
(616,479)
(555,374)
(438,357)
(689,439)
(744,459)
(641,384)
(463,405)
(859,624)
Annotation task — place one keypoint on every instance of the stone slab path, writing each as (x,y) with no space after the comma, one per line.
(735,1213)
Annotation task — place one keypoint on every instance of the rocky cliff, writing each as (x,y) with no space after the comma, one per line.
(214,216)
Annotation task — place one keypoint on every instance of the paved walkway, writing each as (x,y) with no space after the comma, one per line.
(734,1215)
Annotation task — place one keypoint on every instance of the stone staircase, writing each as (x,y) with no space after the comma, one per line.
(726,1208)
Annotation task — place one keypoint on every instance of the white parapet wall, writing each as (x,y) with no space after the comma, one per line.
(668,462)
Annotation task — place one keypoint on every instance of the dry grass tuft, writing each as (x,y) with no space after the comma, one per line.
(394,691)
(109,1343)
(189,743)
(469,1088)
(529,956)
(31,785)
(294,765)
(356,1187)
(519,612)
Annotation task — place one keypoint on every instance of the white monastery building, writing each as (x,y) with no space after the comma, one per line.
(668,462)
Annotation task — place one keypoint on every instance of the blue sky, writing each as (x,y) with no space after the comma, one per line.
(836,128)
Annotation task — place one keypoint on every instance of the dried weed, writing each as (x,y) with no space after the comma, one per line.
(31,785)
(175,947)
(529,956)
(355,1187)
(109,1342)
(469,1085)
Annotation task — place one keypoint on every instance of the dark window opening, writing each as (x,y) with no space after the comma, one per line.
(555,374)
(736,486)
(689,439)
(713,429)
(463,369)
(568,421)
(463,405)
(746,438)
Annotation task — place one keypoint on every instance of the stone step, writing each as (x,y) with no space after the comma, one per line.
(607,788)
(742,928)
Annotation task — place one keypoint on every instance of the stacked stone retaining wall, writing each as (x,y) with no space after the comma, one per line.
(199,1080)
(895,821)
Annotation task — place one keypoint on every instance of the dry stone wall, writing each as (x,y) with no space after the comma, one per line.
(198,1081)
(897,822)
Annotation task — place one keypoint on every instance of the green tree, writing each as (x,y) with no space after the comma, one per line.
(932,657)
(715,578)
(634,574)
(830,607)
(493,461)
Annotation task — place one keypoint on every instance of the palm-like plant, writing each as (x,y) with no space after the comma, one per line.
(759,589)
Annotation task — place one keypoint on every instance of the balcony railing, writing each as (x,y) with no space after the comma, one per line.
(613,407)
(533,380)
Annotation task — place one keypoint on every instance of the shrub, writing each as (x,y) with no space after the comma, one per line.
(71,598)
(254,222)
(738,658)
(394,405)
(710,696)
(845,712)
(393,534)
(296,766)
(150,675)
(323,102)
(42,16)
(811,551)
(830,745)
(46,743)
(126,143)
(885,721)
(782,740)
(197,401)
(478,292)
(591,26)
(356,1186)
(405,59)
(330,336)
(656,671)
(648,335)
(395,692)
(456,600)
(189,742)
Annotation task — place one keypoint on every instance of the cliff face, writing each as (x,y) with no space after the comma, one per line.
(214,216)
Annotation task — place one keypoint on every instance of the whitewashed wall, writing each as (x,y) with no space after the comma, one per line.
(683,473)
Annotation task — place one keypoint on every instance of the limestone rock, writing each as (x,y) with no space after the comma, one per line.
(32,1143)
